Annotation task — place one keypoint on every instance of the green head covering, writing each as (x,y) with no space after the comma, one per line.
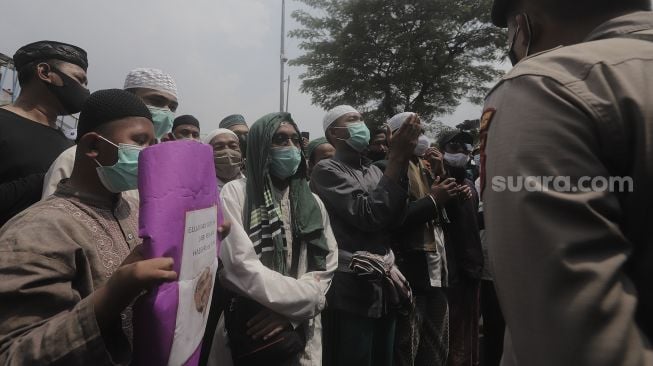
(262,214)
(233,120)
(313,145)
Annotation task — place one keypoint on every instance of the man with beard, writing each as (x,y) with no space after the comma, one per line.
(227,155)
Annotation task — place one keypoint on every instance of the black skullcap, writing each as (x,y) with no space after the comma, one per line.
(45,50)
(233,120)
(186,119)
(499,12)
(109,105)
(455,136)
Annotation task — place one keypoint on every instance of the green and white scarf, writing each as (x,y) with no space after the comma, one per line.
(262,214)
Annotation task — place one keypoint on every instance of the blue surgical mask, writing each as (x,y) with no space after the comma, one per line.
(284,161)
(123,175)
(163,119)
(359,136)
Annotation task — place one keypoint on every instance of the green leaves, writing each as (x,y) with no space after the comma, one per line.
(387,56)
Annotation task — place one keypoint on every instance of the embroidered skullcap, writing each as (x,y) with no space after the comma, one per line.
(109,105)
(336,113)
(151,79)
(186,119)
(46,50)
(217,132)
(310,148)
(232,120)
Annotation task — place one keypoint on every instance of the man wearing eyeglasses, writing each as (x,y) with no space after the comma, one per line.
(572,264)
(280,258)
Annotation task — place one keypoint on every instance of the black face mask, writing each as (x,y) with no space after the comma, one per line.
(71,94)
(511,52)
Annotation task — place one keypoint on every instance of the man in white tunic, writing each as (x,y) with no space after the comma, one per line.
(281,252)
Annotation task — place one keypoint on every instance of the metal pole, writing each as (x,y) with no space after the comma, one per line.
(283,53)
(287,92)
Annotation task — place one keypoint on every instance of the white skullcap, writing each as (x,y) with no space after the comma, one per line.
(336,113)
(151,79)
(220,131)
(398,119)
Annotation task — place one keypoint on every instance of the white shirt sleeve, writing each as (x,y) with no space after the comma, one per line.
(60,169)
(296,299)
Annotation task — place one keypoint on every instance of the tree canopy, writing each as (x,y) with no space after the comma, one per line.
(390,56)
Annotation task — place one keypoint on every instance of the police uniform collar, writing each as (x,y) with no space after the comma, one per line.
(625,24)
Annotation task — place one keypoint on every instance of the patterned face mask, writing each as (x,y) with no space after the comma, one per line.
(227,163)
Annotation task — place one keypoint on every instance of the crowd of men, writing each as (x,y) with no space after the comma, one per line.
(367,246)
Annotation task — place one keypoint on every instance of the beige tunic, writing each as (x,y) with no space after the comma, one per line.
(52,257)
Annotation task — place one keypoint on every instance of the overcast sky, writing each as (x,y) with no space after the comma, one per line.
(223,54)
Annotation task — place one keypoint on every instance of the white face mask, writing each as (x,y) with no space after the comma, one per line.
(477,160)
(459,160)
(423,144)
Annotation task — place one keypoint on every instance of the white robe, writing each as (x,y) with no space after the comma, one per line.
(222,183)
(61,168)
(300,300)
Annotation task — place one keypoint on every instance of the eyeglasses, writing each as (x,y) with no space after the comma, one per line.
(458,146)
(282,139)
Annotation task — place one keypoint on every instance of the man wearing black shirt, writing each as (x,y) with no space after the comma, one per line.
(52,76)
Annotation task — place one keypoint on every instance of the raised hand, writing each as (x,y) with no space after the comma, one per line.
(224,229)
(405,139)
(444,191)
(435,157)
(465,193)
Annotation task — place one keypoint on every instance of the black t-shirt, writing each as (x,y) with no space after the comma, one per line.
(27,149)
